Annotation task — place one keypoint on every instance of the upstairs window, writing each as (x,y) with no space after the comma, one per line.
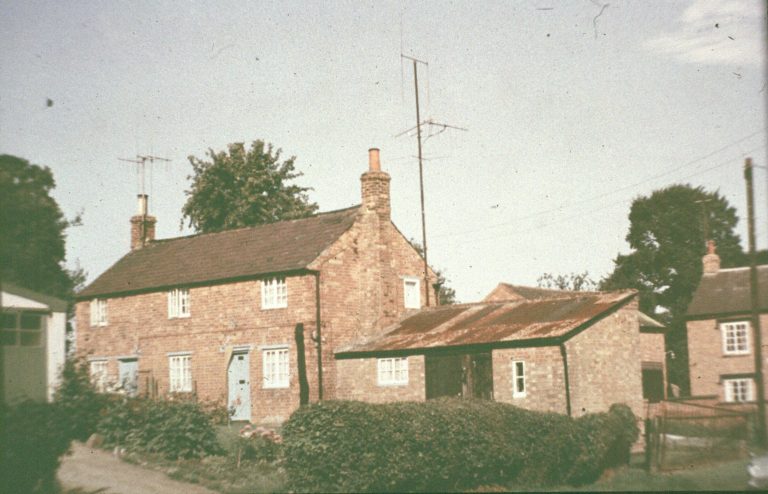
(735,337)
(98,312)
(393,371)
(178,303)
(518,379)
(412,293)
(276,373)
(738,390)
(274,293)
(180,367)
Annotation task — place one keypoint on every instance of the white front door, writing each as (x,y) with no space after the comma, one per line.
(129,375)
(238,374)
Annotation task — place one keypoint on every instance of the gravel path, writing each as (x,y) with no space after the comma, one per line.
(98,470)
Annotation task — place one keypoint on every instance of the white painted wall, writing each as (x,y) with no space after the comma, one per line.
(16,302)
(56,338)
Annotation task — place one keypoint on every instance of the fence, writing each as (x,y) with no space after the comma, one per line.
(681,433)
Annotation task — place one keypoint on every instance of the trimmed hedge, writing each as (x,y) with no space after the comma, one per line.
(174,429)
(447,445)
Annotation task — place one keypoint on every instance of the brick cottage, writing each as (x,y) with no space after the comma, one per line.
(233,316)
(216,314)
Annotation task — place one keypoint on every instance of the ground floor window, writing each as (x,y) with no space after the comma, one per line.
(276,374)
(518,379)
(393,371)
(99,375)
(180,373)
(738,390)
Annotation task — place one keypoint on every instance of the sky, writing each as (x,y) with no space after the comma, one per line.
(572,109)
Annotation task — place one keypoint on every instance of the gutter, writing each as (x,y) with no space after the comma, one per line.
(564,354)
(318,334)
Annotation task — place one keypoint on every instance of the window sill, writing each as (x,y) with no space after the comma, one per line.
(274,308)
(392,385)
(281,386)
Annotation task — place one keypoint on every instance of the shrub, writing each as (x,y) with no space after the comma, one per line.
(79,402)
(174,429)
(259,444)
(32,442)
(447,445)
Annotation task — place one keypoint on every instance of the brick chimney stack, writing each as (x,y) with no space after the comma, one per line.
(711,260)
(375,187)
(142,225)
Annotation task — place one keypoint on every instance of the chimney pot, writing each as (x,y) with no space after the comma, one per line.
(374,164)
(711,260)
(143,204)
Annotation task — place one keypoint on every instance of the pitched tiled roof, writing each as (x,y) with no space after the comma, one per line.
(274,248)
(509,323)
(514,292)
(727,292)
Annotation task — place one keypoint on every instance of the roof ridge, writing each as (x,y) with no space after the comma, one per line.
(202,234)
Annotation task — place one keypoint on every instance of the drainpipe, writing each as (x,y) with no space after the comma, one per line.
(564,354)
(318,336)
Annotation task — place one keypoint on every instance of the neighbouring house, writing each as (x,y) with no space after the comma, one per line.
(225,315)
(32,344)
(573,353)
(721,356)
(652,349)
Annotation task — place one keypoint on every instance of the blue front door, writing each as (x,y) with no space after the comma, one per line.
(239,402)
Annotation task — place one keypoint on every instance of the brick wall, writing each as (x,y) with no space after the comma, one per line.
(544,378)
(706,361)
(604,364)
(358,381)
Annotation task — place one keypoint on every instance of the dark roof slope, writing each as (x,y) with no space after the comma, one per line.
(727,292)
(55,304)
(528,292)
(509,323)
(277,247)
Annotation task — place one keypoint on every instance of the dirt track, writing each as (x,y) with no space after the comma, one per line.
(97,470)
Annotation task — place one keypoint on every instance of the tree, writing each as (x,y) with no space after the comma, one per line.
(33,230)
(668,232)
(244,188)
(576,282)
(445,295)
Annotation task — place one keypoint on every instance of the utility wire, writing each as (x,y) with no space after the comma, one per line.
(621,189)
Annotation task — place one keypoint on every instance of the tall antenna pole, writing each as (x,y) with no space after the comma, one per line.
(419,123)
(421,184)
(141,161)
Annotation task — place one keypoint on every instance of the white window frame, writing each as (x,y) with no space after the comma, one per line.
(99,374)
(99,312)
(392,371)
(178,303)
(411,292)
(276,368)
(274,293)
(519,377)
(735,337)
(739,390)
(180,373)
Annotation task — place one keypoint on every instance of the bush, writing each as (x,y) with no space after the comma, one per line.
(259,444)
(448,445)
(32,442)
(174,429)
(79,402)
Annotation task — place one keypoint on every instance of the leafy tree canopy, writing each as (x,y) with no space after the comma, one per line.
(576,282)
(668,232)
(32,242)
(244,187)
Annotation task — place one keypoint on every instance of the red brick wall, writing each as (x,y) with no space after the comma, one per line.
(706,361)
(604,364)
(544,378)
(357,380)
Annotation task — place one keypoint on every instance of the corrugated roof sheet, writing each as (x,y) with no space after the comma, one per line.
(493,322)
(727,291)
(514,292)
(272,248)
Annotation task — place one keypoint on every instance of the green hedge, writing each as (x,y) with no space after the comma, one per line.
(448,444)
(33,438)
(175,429)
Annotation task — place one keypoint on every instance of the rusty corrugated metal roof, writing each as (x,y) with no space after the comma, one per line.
(490,323)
